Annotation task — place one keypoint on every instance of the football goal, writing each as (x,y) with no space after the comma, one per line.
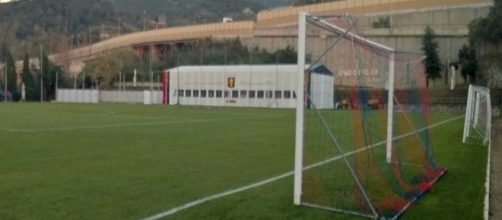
(478,116)
(370,154)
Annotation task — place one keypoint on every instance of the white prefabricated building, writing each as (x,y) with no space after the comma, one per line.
(269,86)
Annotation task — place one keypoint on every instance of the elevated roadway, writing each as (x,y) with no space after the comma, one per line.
(269,23)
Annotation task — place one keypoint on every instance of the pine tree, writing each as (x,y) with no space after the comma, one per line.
(432,62)
(49,71)
(45,77)
(10,69)
(12,78)
(468,63)
(488,29)
(29,83)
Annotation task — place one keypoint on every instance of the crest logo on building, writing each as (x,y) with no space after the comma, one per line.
(231,82)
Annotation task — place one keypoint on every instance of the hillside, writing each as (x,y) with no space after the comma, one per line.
(64,24)
(55,23)
(181,12)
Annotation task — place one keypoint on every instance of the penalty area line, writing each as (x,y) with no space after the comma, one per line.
(200,201)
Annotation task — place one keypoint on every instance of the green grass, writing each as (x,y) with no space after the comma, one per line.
(61,161)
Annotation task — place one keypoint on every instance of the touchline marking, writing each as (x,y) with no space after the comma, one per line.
(125,125)
(105,126)
(282,176)
(486,214)
(104,113)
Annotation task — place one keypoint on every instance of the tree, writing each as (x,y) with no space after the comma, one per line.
(432,62)
(105,69)
(287,55)
(382,22)
(488,29)
(485,34)
(10,69)
(468,63)
(29,83)
(49,71)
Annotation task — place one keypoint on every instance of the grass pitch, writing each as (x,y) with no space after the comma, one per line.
(62,161)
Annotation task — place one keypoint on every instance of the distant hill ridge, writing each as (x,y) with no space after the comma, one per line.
(63,24)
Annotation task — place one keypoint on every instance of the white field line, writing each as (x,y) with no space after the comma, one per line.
(104,126)
(104,113)
(145,124)
(282,176)
(486,213)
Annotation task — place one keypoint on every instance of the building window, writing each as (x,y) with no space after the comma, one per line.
(211,93)
(287,94)
(294,94)
(181,93)
(196,93)
(278,94)
(203,93)
(226,94)
(219,94)
(252,94)
(269,94)
(188,93)
(235,94)
(261,94)
(244,94)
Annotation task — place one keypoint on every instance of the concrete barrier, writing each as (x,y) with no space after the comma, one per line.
(96,96)
(77,96)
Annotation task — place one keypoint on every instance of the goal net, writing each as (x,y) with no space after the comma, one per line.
(370,154)
(477,127)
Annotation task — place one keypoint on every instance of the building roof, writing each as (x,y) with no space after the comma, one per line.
(281,68)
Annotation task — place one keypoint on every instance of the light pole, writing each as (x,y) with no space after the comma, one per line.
(151,73)
(120,81)
(89,40)
(120,26)
(41,74)
(5,81)
(57,85)
(144,20)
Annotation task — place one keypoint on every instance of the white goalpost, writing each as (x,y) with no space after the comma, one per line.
(478,115)
(300,92)
(357,158)
(304,18)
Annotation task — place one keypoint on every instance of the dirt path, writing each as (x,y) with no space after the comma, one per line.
(496,169)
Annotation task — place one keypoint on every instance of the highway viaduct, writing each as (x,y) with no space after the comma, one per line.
(276,29)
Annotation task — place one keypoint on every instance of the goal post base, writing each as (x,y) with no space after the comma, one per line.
(441,173)
(422,190)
